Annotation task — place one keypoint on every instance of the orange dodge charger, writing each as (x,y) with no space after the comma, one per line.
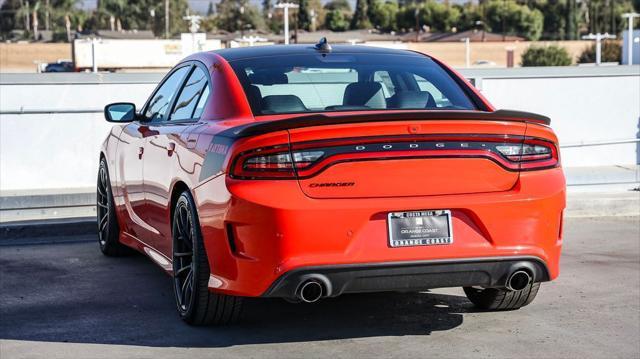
(305,172)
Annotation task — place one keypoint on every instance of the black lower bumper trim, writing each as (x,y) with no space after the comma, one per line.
(408,276)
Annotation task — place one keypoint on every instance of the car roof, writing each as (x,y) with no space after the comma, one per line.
(241,53)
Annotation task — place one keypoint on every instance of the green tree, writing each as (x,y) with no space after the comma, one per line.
(383,15)
(604,15)
(571,20)
(337,16)
(342,5)
(211,9)
(360,20)
(336,21)
(8,19)
(511,18)
(546,56)
(437,16)
(238,16)
(304,18)
(611,52)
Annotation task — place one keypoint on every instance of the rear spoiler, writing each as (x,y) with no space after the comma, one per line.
(222,142)
(258,128)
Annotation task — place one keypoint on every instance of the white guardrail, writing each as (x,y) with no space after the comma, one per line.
(51,125)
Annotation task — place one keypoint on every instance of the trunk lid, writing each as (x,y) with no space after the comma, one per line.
(406,158)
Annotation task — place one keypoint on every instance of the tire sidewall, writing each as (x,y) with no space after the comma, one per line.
(186,199)
(107,238)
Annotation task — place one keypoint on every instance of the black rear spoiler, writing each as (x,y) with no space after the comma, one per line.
(300,121)
(221,142)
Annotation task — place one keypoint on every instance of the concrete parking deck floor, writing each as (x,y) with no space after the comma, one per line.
(67,300)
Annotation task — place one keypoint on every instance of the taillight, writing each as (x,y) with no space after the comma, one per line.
(273,164)
(524,152)
(304,160)
(532,154)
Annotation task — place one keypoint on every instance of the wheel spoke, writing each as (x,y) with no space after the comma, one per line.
(183,254)
(182,270)
(104,221)
(101,190)
(187,280)
(103,205)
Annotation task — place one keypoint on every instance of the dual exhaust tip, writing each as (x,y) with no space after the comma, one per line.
(310,291)
(519,280)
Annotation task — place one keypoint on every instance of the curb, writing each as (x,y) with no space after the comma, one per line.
(77,229)
(50,229)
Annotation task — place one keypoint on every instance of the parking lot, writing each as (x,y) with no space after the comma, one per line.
(67,300)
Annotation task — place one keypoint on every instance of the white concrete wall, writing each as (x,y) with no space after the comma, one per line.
(50,152)
(582,110)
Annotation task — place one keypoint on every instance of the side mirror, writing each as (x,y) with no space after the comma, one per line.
(120,112)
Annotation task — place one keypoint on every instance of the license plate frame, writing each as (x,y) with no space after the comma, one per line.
(427,229)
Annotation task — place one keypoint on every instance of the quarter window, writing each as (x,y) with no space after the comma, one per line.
(203,101)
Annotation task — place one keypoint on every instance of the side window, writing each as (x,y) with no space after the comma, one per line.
(191,97)
(158,107)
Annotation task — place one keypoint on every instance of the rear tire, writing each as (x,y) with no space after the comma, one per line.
(108,229)
(501,299)
(195,303)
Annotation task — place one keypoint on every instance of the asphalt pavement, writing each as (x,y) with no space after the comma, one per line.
(63,299)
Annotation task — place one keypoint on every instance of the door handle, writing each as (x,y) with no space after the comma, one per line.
(140,152)
(171,147)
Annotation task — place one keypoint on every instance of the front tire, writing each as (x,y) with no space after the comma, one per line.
(502,299)
(108,229)
(195,303)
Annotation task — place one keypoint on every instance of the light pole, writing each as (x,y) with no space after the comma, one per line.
(630,16)
(286,6)
(467,52)
(166,19)
(598,37)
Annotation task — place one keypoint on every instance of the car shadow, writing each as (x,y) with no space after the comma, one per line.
(74,294)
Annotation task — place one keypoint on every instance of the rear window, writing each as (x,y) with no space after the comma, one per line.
(348,82)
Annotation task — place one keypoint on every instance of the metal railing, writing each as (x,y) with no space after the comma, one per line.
(600,143)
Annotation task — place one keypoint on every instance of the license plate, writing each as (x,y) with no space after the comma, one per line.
(420,228)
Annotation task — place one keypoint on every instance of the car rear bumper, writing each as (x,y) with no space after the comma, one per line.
(407,276)
(262,235)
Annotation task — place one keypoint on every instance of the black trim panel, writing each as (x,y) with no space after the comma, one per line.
(409,276)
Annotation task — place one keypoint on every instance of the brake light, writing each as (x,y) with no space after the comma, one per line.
(532,154)
(524,152)
(304,160)
(278,164)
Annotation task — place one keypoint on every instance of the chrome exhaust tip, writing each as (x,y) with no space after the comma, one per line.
(310,291)
(519,280)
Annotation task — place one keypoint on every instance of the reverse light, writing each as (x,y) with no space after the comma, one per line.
(525,152)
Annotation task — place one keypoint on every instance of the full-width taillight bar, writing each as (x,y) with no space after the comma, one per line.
(309,158)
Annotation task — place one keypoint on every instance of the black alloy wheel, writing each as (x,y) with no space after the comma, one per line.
(108,229)
(196,303)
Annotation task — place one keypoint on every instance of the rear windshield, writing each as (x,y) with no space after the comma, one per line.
(347,82)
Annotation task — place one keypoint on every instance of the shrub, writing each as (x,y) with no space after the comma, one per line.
(546,56)
(611,52)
